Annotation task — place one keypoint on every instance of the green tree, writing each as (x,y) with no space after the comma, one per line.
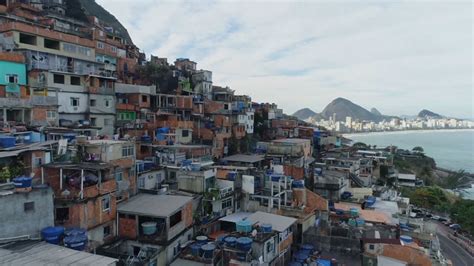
(418,149)
(462,212)
(360,146)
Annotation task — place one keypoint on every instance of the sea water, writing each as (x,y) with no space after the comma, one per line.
(451,149)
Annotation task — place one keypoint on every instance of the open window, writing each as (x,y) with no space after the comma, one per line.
(175,219)
(51,44)
(27,39)
(75,80)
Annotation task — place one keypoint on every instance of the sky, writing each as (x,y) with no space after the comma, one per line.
(397,56)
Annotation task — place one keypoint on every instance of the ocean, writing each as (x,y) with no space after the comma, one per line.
(451,149)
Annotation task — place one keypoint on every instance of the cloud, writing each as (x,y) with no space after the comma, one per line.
(397,56)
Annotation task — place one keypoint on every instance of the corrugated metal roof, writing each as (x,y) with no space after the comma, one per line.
(42,253)
(153,205)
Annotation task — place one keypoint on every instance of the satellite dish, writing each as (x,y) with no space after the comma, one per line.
(254,233)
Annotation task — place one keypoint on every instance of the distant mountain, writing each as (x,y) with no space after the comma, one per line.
(428,114)
(343,108)
(375,112)
(304,113)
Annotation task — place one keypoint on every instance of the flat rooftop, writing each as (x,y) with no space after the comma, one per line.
(244,158)
(36,253)
(153,205)
(279,223)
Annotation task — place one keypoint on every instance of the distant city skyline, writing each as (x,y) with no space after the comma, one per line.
(399,57)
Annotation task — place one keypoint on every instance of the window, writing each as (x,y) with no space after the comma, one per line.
(51,44)
(84,51)
(37,161)
(62,214)
(107,231)
(175,219)
(74,101)
(113,48)
(108,122)
(131,172)
(107,103)
(29,206)
(75,80)
(58,79)
(128,151)
(27,39)
(71,48)
(185,133)
(118,174)
(106,204)
(227,203)
(144,98)
(141,182)
(51,115)
(269,246)
(93,121)
(100,45)
(371,247)
(11,78)
(92,102)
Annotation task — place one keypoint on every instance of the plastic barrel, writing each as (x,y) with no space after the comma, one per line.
(52,235)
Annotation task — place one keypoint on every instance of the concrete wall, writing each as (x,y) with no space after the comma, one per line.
(66,86)
(64,101)
(170,249)
(15,221)
(105,121)
(150,179)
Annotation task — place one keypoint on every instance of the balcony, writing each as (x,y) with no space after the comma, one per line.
(125,106)
(15,102)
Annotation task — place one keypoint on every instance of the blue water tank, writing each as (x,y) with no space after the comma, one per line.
(75,231)
(360,221)
(145,138)
(69,136)
(297,184)
(308,247)
(76,242)
(195,249)
(370,200)
(231,176)
(52,235)
(244,243)
(208,250)
(7,141)
(230,241)
(295,263)
(266,228)
(275,178)
(406,239)
(244,226)
(301,256)
(202,239)
(22,181)
(147,165)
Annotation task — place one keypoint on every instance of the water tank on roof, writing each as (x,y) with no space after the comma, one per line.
(149,228)
(195,249)
(297,184)
(266,228)
(208,250)
(52,235)
(75,231)
(76,242)
(244,243)
(22,181)
(308,247)
(202,239)
(301,256)
(7,141)
(354,212)
(231,176)
(406,239)
(230,241)
(244,226)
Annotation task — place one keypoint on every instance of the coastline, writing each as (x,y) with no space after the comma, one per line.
(346,135)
